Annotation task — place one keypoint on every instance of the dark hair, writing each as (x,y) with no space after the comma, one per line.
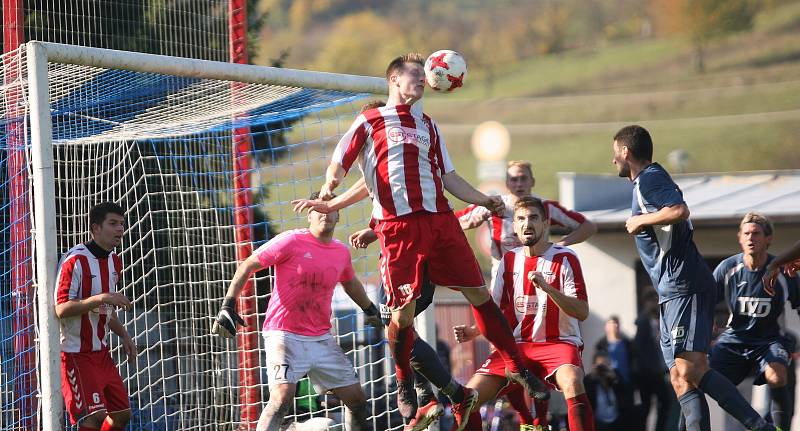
(98,213)
(638,141)
(531,202)
(615,318)
(399,62)
(372,105)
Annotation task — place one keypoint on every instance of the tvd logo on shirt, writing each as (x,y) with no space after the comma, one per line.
(754,307)
(526,305)
(398,135)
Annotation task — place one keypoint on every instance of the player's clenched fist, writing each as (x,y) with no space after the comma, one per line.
(227,319)
(464,333)
(372,316)
(362,238)
(495,205)
(326,191)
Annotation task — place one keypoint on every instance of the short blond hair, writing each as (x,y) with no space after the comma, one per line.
(758,219)
(520,164)
(398,63)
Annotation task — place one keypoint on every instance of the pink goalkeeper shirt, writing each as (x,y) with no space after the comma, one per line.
(306,272)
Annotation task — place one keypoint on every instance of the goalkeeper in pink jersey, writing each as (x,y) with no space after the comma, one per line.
(297,328)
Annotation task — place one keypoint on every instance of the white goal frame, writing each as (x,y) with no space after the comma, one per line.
(39,54)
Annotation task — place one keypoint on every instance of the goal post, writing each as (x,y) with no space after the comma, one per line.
(157,134)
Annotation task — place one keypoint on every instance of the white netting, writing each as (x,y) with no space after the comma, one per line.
(162,147)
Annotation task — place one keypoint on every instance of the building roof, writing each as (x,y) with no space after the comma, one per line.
(714,199)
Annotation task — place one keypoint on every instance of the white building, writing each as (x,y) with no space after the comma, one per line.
(717,203)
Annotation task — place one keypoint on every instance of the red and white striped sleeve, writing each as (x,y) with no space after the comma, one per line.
(561,216)
(473,215)
(572,283)
(68,279)
(497,289)
(351,144)
(442,156)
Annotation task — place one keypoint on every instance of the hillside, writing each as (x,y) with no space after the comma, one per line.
(562,110)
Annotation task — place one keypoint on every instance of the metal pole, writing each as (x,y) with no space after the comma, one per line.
(44,204)
(247,339)
(24,362)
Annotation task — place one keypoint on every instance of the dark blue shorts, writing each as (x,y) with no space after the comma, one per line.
(423,302)
(735,360)
(686,324)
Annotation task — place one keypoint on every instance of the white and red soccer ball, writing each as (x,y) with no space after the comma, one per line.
(445,70)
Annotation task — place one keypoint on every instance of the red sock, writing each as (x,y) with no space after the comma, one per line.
(494,326)
(579,413)
(541,412)
(107,426)
(520,403)
(400,343)
(475,423)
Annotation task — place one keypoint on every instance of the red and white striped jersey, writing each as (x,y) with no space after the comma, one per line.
(533,316)
(81,275)
(501,228)
(402,157)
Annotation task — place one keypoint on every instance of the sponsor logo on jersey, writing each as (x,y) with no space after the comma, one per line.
(526,304)
(308,255)
(405,290)
(398,135)
(678,334)
(754,307)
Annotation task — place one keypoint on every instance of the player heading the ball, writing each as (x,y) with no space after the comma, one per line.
(406,168)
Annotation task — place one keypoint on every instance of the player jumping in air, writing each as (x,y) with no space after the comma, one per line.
(663,233)
(539,288)
(308,265)
(406,169)
(86,301)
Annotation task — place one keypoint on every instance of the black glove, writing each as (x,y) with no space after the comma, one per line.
(227,319)
(372,316)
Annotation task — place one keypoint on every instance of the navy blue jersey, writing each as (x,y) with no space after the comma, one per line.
(668,252)
(754,313)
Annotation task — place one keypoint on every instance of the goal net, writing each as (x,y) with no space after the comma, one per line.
(205,167)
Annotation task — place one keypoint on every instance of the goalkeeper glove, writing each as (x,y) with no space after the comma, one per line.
(372,316)
(227,319)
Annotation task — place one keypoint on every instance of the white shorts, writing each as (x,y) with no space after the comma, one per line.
(290,357)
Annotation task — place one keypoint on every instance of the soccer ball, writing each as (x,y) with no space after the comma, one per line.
(445,70)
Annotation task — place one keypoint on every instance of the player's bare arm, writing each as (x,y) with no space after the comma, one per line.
(580,234)
(355,290)
(77,307)
(357,192)
(127,342)
(362,238)
(333,177)
(664,216)
(461,189)
(574,307)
